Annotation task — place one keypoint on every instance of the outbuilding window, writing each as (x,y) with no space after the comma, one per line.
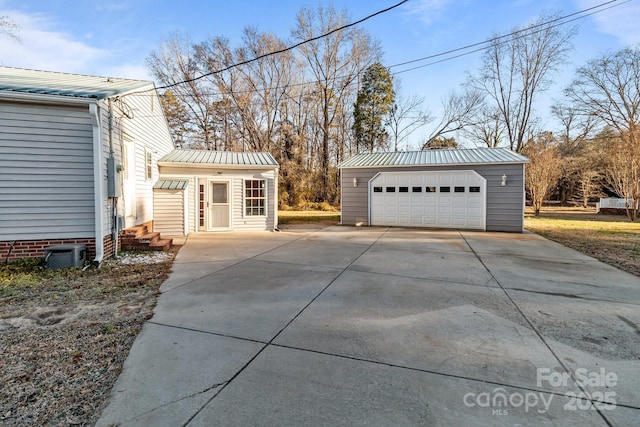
(148,164)
(255,197)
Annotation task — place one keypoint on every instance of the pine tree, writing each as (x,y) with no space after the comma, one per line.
(374,102)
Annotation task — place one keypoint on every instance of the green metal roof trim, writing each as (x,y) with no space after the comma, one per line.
(218,158)
(171,184)
(466,156)
(64,84)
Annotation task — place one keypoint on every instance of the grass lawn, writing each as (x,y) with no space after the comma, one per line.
(610,238)
(308,217)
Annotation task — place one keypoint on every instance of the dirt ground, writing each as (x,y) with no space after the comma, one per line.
(64,336)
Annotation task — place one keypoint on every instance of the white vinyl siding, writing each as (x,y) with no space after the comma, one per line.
(170,208)
(46,172)
(236,180)
(145,124)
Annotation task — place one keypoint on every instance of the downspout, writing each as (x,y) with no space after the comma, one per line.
(114,200)
(98,191)
(275,200)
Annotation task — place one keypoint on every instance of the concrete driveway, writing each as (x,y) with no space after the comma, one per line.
(384,327)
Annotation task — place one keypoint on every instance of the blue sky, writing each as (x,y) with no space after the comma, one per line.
(114,37)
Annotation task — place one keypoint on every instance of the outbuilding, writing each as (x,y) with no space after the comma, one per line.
(200,190)
(479,189)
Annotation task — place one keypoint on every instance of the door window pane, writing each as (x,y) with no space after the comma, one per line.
(219,193)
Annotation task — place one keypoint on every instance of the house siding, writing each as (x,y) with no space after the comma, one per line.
(235,178)
(138,118)
(169,209)
(504,204)
(46,172)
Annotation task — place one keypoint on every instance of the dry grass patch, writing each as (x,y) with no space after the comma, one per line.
(308,217)
(610,238)
(64,335)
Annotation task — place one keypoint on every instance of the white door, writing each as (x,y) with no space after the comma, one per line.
(218,206)
(451,199)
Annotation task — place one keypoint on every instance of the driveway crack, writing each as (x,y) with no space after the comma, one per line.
(535,330)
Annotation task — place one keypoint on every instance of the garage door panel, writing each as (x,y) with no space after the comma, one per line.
(429,199)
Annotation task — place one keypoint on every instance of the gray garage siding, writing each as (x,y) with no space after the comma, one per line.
(505,205)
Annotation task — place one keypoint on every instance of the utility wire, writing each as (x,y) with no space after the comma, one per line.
(513,33)
(502,39)
(275,52)
(562,19)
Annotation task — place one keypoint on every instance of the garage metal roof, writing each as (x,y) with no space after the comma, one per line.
(218,158)
(171,184)
(73,85)
(465,156)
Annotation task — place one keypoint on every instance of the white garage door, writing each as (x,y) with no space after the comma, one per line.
(455,199)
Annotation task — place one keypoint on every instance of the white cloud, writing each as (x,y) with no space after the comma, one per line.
(42,48)
(620,21)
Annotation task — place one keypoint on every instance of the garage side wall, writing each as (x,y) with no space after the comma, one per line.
(505,204)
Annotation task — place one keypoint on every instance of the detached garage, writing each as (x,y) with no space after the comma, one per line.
(478,189)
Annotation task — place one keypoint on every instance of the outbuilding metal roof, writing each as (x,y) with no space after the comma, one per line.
(218,158)
(171,184)
(64,84)
(466,156)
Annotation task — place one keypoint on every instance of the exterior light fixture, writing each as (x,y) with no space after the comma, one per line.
(355,181)
(504,180)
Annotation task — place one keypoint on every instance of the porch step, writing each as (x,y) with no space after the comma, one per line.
(140,239)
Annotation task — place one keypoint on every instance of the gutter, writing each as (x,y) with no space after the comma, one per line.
(247,166)
(44,98)
(98,191)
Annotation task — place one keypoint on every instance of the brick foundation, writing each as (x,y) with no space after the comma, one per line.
(21,249)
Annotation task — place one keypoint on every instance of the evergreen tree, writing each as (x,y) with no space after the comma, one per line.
(375,99)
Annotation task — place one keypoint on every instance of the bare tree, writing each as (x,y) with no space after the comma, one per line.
(173,63)
(335,62)
(458,109)
(517,69)
(9,28)
(544,169)
(406,116)
(485,127)
(622,172)
(608,88)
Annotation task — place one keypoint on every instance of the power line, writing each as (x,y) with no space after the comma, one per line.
(482,46)
(275,52)
(513,33)
(562,20)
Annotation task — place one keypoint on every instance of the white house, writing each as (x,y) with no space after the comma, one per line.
(77,159)
(215,191)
